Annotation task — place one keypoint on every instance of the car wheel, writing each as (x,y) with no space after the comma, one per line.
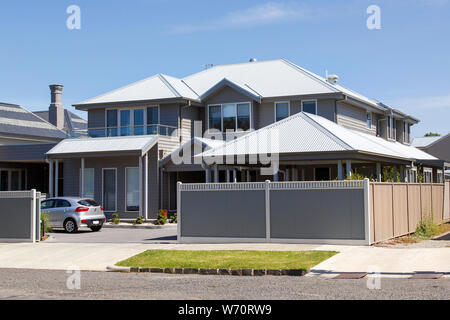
(96,228)
(70,226)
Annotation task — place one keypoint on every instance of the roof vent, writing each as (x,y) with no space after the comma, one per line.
(332,78)
(252,60)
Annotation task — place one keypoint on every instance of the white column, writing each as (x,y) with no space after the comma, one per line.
(146,186)
(216,174)
(208,175)
(56,177)
(82,178)
(287,176)
(249,177)
(51,179)
(378,172)
(339,170)
(140,187)
(348,168)
(228,176)
(234,176)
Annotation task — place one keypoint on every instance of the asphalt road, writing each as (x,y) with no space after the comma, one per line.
(116,235)
(45,284)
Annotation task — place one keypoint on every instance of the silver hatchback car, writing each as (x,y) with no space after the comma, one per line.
(72,213)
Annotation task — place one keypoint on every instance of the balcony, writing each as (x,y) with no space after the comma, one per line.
(154,129)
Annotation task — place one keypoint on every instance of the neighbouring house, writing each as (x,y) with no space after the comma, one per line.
(438,146)
(26,136)
(135,133)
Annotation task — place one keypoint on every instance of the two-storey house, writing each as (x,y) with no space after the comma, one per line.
(320,131)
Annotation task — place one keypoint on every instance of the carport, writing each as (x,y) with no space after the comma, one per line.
(115,171)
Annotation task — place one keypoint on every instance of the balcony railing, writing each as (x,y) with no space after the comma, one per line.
(154,129)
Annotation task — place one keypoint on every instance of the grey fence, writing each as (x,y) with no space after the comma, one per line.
(335,212)
(20,214)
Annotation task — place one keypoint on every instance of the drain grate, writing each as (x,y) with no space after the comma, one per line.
(426,275)
(351,275)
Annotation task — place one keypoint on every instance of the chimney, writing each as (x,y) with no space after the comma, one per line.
(56,109)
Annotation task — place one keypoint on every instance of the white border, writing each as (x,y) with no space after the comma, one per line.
(118,109)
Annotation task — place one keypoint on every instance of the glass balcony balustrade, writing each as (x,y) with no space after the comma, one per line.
(153,129)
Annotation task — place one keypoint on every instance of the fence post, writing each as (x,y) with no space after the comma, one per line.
(179,212)
(367,210)
(33,215)
(267,197)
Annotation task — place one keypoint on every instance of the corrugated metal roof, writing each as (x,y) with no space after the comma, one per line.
(307,133)
(422,142)
(156,87)
(71,120)
(15,119)
(98,145)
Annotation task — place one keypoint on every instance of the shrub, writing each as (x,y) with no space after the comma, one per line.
(45,224)
(426,228)
(139,220)
(162,219)
(115,218)
(174,218)
(355,176)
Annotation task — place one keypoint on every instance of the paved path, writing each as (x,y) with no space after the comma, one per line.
(117,235)
(44,284)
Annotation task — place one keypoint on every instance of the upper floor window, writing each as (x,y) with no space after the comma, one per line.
(391,128)
(369,120)
(309,106)
(229,117)
(281,110)
(406,132)
(131,121)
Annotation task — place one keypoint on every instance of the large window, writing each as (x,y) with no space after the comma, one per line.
(309,106)
(427,175)
(152,120)
(12,179)
(111,122)
(132,189)
(130,121)
(88,183)
(281,110)
(406,132)
(109,190)
(391,128)
(229,117)
(138,122)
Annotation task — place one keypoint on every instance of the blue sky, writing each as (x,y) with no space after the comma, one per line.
(406,64)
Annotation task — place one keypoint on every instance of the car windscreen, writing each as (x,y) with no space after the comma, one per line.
(88,203)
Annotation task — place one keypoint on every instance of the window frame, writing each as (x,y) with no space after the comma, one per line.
(84,180)
(126,191)
(250,109)
(310,100)
(275,110)
(369,120)
(103,190)
(427,171)
(23,173)
(118,109)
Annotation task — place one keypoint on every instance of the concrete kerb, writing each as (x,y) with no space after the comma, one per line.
(139,226)
(205,271)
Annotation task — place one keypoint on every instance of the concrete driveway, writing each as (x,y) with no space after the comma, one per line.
(116,235)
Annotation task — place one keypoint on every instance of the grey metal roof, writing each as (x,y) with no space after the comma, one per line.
(261,79)
(307,133)
(99,145)
(16,120)
(71,120)
(423,142)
